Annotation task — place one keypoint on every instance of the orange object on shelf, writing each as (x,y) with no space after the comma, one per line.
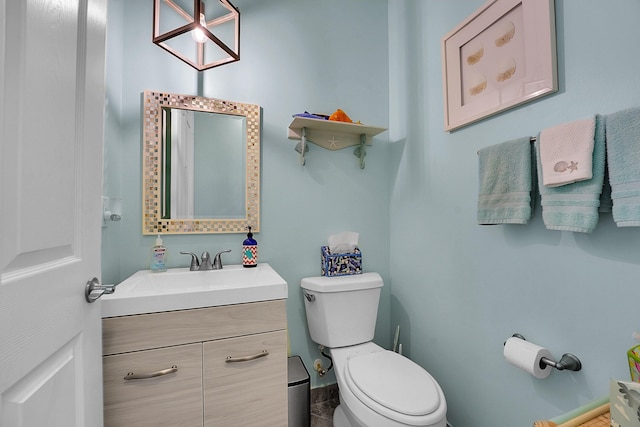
(340,116)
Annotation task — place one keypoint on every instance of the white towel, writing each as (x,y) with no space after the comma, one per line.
(566,152)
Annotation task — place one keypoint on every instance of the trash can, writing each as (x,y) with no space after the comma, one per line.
(299,390)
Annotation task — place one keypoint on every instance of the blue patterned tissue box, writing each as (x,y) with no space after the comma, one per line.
(341,264)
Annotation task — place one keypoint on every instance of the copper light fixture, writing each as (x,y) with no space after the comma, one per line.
(202,33)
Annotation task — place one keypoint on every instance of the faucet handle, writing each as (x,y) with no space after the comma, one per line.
(217,260)
(195,264)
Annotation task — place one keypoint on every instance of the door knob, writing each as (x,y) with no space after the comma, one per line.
(94,290)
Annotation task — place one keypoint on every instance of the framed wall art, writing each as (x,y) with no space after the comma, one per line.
(501,56)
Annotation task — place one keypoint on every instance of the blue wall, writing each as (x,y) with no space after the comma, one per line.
(457,290)
(295,56)
(475,286)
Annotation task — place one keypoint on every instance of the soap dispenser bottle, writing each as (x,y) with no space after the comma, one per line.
(159,256)
(249,251)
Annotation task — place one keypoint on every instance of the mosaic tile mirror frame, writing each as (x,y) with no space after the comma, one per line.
(155,220)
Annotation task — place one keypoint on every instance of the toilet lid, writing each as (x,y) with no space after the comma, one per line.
(395,382)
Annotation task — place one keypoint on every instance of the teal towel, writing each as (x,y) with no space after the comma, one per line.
(623,157)
(574,207)
(506,183)
(606,203)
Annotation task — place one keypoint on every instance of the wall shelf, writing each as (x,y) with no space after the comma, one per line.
(332,135)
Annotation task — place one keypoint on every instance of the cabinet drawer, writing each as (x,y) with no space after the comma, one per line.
(146,331)
(172,400)
(246,393)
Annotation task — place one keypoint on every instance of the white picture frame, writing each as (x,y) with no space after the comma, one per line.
(501,56)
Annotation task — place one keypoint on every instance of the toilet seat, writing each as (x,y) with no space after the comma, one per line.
(393,386)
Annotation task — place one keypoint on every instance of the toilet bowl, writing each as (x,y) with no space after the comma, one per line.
(381,388)
(377,387)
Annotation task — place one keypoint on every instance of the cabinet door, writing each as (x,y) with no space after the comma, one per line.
(174,399)
(246,393)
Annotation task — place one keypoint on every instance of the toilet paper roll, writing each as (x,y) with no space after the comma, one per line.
(526,356)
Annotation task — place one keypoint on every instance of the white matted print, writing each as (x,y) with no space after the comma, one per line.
(501,56)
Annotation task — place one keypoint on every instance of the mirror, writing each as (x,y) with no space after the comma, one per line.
(201,165)
(200,151)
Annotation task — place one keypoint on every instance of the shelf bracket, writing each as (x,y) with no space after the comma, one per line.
(331,135)
(360,151)
(301,147)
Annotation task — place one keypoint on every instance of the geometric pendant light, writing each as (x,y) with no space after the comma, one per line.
(202,33)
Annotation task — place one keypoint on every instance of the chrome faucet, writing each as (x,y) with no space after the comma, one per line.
(206,263)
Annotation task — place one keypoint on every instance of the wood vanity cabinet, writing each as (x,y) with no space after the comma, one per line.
(214,366)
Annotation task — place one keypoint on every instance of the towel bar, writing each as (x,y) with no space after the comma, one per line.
(532,140)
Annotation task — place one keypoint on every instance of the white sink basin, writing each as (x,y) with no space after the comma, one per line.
(180,289)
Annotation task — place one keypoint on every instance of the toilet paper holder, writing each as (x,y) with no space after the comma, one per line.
(568,361)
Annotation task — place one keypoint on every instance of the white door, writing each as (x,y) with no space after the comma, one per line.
(52,56)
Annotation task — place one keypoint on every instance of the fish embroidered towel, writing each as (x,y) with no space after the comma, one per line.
(566,151)
(574,207)
(623,158)
(505,175)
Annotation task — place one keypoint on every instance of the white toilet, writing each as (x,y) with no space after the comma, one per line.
(377,387)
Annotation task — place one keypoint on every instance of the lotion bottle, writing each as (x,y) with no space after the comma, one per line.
(249,251)
(159,256)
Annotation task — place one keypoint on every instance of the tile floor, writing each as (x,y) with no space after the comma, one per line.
(323,401)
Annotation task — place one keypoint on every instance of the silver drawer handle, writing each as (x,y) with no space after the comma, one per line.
(132,376)
(231,359)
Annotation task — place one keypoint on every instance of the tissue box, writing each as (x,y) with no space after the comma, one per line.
(623,408)
(634,363)
(341,264)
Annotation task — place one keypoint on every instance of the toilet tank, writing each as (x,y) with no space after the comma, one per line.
(342,311)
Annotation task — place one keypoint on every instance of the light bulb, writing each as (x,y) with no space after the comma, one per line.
(197,34)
